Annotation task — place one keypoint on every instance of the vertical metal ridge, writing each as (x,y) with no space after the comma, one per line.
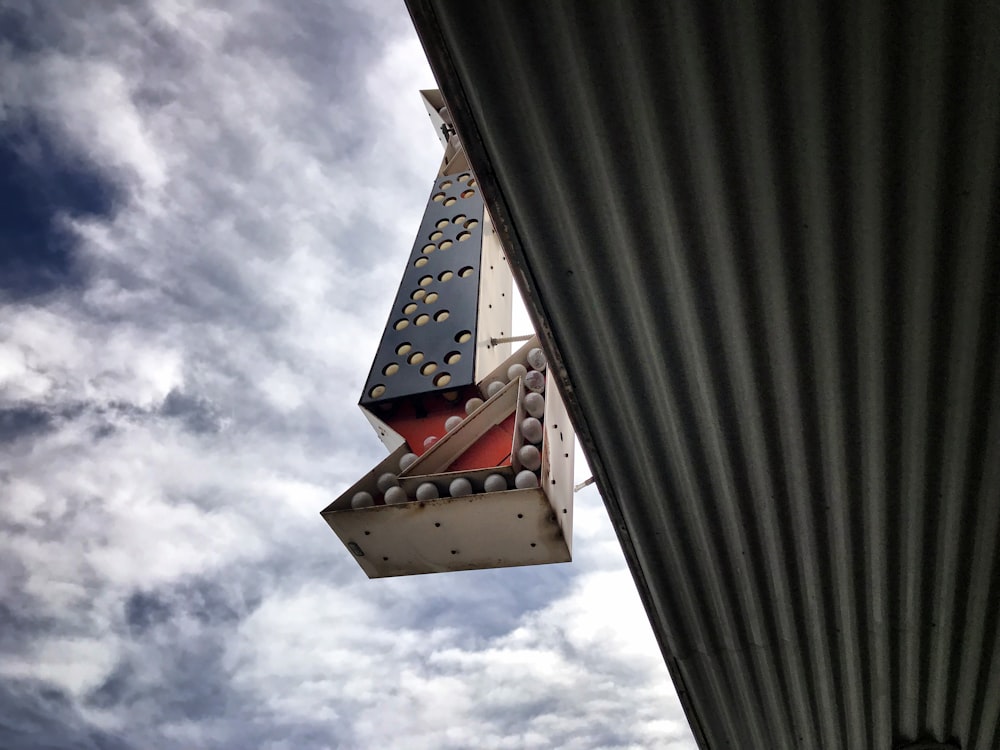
(867,87)
(815,223)
(979,678)
(919,281)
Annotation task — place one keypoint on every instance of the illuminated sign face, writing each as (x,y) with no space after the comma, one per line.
(480,470)
(429,344)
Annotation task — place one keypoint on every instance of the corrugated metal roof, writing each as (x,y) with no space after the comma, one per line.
(761,242)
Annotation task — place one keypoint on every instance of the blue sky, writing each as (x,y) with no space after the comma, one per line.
(204,213)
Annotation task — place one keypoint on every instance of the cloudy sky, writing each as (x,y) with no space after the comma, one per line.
(205,209)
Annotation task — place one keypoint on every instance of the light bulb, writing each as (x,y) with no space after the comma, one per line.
(536,359)
(386,481)
(531,429)
(535,381)
(427,491)
(531,457)
(460,487)
(525,480)
(362,500)
(516,371)
(534,404)
(395,496)
(495,483)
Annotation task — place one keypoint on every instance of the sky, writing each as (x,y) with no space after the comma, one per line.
(205,211)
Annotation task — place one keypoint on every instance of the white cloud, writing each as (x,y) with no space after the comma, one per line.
(564,677)
(95,106)
(74,663)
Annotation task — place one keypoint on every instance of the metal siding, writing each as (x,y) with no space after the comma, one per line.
(761,245)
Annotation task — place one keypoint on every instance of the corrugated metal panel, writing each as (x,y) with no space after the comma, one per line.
(762,245)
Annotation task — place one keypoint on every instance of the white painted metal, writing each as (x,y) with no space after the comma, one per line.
(433,103)
(499,529)
(389,437)
(557,459)
(495,303)
(454,159)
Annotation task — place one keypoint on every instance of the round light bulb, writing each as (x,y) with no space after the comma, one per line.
(427,491)
(535,381)
(525,480)
(493,388)
(531,429)
(452,422)
(395,496)
(530,456)
(472,404)
(362,500)
(406,461)
(429,441)
(534,404)
(495,483)
(460,487)
(386,481)
(516,371)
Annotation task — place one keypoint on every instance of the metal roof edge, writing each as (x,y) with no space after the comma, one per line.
(449,81)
